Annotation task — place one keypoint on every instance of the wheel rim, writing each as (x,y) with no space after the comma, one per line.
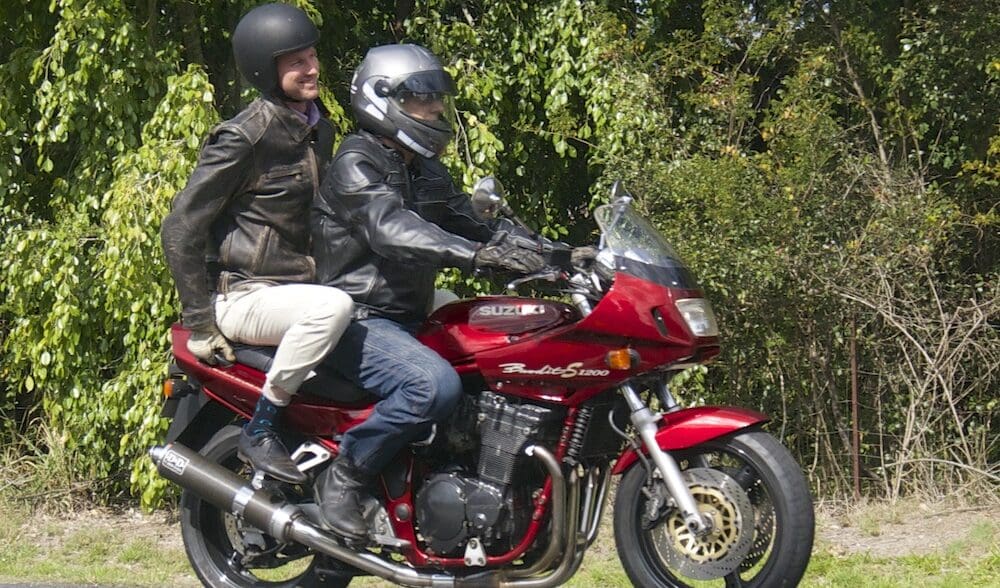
(229,542)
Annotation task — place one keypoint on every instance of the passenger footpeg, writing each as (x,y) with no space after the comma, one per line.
(309,455)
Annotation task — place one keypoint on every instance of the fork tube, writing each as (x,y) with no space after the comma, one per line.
(645,423)
(581,301)
(666,398)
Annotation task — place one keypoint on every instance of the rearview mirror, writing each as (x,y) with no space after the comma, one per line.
(488,198)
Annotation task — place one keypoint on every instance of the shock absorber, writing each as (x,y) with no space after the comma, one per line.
(579,435)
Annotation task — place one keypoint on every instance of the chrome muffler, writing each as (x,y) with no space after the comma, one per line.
(286,522)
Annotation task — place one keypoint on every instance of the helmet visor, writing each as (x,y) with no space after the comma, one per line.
(435,81)
(434,108)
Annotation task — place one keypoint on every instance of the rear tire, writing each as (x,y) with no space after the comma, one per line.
(215,541)
(780,508)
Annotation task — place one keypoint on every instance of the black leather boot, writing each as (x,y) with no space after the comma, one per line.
(265,452)
(340,492)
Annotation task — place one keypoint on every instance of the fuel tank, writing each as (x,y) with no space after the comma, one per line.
(465,327)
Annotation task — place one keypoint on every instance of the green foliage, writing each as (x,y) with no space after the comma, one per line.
(814,163)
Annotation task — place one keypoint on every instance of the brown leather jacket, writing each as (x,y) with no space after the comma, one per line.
(244,214)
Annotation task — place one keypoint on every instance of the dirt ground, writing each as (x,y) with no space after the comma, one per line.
(911,528)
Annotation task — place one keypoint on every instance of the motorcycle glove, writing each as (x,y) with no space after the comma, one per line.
(206,343)
(536,244)
(505,255)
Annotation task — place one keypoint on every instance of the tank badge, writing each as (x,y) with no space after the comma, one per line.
(570,371)
(509,310)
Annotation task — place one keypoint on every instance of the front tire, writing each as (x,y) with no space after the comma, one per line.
(751,484)
(217,542)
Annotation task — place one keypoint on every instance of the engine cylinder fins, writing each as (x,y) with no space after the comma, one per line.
(505,428)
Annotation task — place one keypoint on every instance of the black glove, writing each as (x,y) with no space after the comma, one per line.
(535,243)
(508,256)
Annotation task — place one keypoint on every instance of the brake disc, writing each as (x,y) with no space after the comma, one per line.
(763,512)
(763,526)
(721,550)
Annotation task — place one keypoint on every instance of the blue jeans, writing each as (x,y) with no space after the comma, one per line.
(416,385)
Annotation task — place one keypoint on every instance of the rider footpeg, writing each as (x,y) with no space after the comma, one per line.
(391,543)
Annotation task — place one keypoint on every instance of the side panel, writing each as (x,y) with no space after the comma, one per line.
(692,426)
(237,389)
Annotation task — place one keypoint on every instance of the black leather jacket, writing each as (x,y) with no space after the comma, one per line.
(244,214)
(382,229)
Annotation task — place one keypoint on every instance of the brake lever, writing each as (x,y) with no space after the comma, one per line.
(549,275)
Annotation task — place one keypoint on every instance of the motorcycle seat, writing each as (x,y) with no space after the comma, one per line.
(322,382)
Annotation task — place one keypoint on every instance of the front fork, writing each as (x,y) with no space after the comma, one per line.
(645,422)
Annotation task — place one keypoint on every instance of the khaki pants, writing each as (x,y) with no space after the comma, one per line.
(304,321)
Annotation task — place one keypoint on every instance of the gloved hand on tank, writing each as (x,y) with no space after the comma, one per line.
(205,343)
(508,256)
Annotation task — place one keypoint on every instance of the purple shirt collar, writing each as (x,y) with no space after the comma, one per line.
(311,115)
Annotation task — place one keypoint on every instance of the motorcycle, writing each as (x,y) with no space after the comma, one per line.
(562,397)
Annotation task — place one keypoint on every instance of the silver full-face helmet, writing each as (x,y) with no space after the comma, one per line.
(403,92)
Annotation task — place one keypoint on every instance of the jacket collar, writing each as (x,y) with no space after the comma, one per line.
(290,119)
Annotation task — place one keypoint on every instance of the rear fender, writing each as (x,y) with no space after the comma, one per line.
(689,427)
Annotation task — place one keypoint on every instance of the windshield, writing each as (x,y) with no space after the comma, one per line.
(638,248)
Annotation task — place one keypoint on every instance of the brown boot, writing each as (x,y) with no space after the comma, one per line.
(340,493)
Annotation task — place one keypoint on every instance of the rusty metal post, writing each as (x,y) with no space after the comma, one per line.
(855,433)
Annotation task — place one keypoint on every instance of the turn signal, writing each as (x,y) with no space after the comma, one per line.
(622,359)
(168,387)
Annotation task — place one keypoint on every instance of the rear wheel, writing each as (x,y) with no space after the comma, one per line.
(757,499)
(226,551)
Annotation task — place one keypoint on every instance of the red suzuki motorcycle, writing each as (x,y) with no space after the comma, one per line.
(560,398)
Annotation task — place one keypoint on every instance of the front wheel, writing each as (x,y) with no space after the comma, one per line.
(226,552)
(759,504)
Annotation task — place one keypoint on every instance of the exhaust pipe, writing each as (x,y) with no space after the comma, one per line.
(286,522)
(274,516)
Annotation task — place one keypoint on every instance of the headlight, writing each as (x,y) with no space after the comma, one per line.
(698,315)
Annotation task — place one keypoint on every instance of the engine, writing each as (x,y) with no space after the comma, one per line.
(458,504)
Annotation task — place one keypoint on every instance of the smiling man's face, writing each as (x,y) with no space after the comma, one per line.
(298,74)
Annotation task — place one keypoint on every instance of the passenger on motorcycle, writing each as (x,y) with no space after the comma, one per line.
(237,237)
(387,218)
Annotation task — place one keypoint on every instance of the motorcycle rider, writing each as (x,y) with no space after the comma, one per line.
(237,237)
(388,216)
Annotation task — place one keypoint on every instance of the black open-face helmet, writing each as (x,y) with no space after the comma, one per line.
(265,33)
(403,92)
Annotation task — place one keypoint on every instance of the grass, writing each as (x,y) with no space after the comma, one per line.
(77,553)
(45,538)
(960,567)
(76,550)
(926,571)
